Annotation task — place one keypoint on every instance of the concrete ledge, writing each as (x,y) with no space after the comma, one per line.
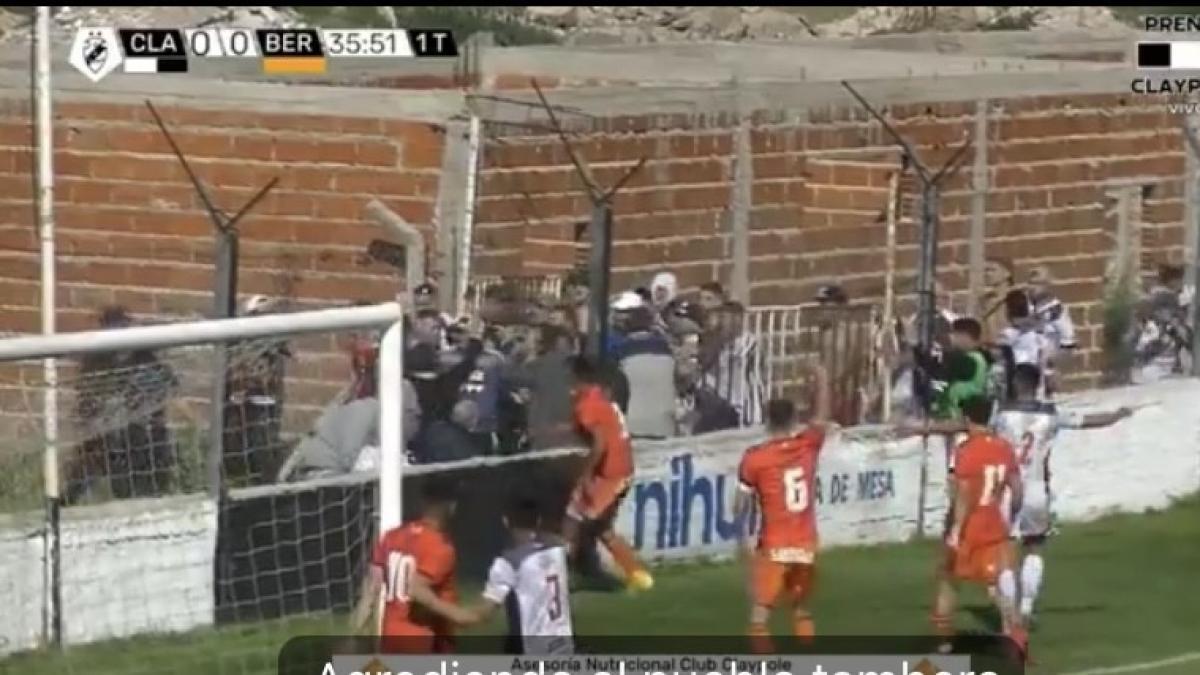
(196,92)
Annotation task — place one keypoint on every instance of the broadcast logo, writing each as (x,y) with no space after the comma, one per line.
(95,52)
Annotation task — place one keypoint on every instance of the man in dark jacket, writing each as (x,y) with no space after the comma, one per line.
(451,440)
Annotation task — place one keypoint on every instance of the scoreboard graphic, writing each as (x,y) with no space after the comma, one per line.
(101,51)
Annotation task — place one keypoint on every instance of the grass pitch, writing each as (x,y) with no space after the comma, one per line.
(1120,591)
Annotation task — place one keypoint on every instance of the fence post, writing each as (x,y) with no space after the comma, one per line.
(979,180)
(1191,227)
(743,179)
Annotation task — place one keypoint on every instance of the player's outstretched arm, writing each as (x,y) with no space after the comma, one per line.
(368,599)
(422,593)
(1104,419)
(929,427)
(822,396)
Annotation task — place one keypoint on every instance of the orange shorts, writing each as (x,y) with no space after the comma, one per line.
(772,580)
(981,563)
(597,499)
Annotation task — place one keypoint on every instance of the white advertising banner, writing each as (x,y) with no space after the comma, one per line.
(681,502)
(128,568)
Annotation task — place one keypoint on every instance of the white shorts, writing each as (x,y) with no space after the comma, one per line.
(1036,518)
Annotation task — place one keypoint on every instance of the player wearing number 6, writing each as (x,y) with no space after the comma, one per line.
(780,474)
(413,565)
(978,548)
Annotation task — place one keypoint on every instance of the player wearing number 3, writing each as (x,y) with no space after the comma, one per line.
(413,565)
(780,474)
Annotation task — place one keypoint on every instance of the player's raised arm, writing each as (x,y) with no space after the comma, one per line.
(822,396)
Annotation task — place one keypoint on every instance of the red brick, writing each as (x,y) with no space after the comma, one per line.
(16,135)
(418,154)
(692,199)
(260,148)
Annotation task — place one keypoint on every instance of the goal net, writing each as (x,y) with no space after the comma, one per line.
(205,514)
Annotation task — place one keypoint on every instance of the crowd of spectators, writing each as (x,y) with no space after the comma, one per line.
(498,382)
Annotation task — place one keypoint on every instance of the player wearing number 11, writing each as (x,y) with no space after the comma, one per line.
(978,548)
(780,473)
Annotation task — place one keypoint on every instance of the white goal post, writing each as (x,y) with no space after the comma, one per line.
(387,316)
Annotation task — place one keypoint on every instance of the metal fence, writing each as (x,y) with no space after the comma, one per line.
(841,338)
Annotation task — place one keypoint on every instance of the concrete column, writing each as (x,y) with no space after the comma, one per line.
(979,187)
(741,203)
(450,216)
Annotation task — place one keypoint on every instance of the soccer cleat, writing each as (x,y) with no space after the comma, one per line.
(640,580)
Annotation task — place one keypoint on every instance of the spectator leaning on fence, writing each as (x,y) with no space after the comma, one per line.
(546,383)
(646,359)
(121,405)
(730,362)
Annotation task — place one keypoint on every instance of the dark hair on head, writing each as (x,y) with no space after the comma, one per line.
(1027,376)
(713,287)
(115,316)
(1169,274)
(524,512)
(1016,305)
(429,314)
(438,491)
(504,292)
(967,326)
(587,371)
(960,367)
(576,277)
(734,307)
(1005,264)
(977,410)
(781,414)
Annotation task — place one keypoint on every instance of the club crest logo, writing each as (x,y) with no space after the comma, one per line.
(95,52)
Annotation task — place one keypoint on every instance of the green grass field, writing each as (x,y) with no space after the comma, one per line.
(1119,591)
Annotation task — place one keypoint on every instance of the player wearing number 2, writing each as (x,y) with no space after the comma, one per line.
(413,565)
(780,474)
(605,478)
(978,548)
(1031,426)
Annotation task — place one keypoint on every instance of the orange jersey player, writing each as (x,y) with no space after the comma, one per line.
(978,546)
(413,565)
(606,476)
(780,473)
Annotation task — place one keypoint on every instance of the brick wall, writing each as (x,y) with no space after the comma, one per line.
(132,231)
(820,189)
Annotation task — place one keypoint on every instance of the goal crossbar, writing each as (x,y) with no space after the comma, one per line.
(213,330)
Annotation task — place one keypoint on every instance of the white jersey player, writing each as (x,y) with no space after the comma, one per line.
(1031,426)
(530,581)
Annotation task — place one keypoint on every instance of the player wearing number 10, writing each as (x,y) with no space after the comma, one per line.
(780,473)
(413,565)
